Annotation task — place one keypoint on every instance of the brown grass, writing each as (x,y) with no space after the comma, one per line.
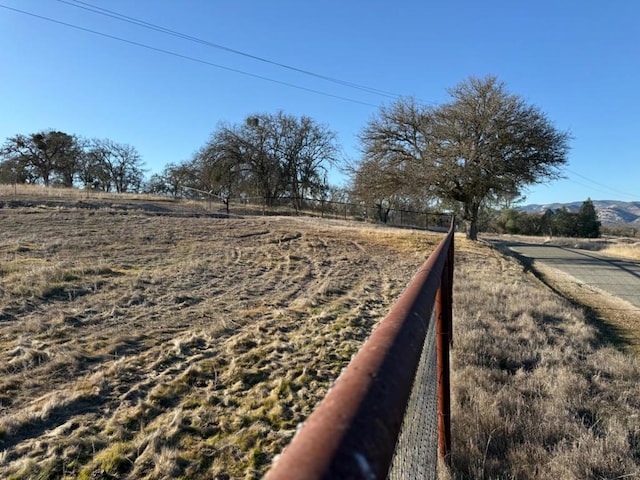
(629,251)
(31,192)
(538,392)
(142,346)
(137,346)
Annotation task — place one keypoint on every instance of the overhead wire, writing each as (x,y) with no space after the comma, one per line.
(590,187)
(151,26)
(612,190)
(187,57)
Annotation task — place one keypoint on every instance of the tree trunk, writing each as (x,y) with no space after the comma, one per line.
(472,231)
(471,212)
(68,180)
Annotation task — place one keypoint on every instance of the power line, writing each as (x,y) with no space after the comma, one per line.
(187,57)
(141,23)
(590,187)
(611,190)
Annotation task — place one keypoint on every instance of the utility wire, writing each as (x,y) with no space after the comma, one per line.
(186,57)
(590,187)
(141,23)
(612,190)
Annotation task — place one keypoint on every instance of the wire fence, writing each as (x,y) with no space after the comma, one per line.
(389,411)
(416,452)
(378,213)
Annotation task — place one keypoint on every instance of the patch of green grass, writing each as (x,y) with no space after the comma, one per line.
(112,462)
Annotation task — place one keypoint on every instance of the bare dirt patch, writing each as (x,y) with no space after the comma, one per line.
(145,346)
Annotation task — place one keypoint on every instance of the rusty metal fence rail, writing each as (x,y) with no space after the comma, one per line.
(367,426)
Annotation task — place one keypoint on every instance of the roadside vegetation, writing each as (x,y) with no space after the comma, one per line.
(629,250)
(539,392)
(553,223)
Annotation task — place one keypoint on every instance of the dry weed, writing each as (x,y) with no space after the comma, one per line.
(630,251)
(136,346)
(537,392)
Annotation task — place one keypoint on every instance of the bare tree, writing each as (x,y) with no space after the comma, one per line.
(178,176)
(45,155)
(269,156)
(306,149)
(484,145)
(121,164)
(92,170)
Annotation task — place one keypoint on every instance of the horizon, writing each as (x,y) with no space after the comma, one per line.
(95,75)
(581,201)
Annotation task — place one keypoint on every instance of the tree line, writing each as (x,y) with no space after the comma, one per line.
(54,158)
(267,157)
(553,223)
(477,150)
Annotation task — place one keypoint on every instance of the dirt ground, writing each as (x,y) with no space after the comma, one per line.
(137,345)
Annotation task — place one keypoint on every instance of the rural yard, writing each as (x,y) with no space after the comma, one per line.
(142,343)
(160,346)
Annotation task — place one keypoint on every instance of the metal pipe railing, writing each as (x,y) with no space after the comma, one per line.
(353,432)
(444,340)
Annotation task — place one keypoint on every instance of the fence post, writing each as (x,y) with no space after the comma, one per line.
(443,343)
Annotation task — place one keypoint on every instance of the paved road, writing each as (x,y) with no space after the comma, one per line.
(620,278)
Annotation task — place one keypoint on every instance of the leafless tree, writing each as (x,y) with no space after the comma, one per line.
(484,145)
(270,156)
(120,163)
(43,156)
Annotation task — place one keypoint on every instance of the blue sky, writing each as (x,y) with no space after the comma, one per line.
(578,61)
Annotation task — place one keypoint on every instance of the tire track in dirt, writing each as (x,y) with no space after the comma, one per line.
(207,343)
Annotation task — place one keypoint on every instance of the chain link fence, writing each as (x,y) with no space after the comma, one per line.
(416,452)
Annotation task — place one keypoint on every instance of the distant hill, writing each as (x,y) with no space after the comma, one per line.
(611,212)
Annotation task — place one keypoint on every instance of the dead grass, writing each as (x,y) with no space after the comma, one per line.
(13,192)
(141,346)
(538,392)
(629,251)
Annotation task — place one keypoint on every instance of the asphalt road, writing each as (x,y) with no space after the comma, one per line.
(620,278)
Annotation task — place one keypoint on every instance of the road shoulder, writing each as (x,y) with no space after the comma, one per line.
(617,320)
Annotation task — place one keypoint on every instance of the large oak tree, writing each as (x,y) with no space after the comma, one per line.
(43,156)
(484,145)
(269,156)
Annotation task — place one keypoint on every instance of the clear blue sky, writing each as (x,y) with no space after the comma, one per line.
(577,60)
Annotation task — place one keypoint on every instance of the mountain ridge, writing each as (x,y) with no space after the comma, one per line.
(610,212)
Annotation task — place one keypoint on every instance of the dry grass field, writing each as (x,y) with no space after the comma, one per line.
(137,345)
(630,250)
(539,391)
(140,346)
